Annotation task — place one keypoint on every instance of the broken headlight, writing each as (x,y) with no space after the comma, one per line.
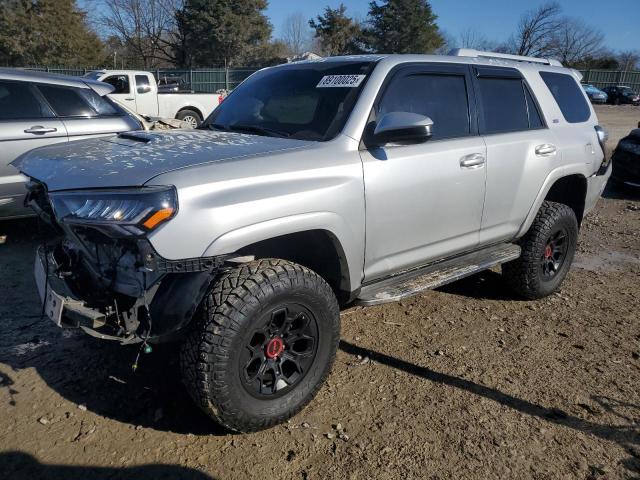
(122,212)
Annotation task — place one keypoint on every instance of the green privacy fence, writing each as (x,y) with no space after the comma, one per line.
(604,78)
(200,80)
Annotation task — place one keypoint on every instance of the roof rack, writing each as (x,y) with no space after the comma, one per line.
(470,52)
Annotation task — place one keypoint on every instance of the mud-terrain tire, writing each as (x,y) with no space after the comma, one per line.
(192,117)
(256,322)
(548,249)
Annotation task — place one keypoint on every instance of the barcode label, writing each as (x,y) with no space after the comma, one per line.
(332,81)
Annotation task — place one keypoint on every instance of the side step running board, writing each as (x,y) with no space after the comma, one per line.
(436,274)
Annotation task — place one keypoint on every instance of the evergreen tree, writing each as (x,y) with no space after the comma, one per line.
(46,32)
(223,32)
(402,26)
(336,33)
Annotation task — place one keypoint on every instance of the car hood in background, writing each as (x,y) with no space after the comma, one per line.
(134,158)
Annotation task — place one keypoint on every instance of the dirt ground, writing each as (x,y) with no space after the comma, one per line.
(462,382)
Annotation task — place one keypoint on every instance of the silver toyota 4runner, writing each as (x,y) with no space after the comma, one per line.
(314,186)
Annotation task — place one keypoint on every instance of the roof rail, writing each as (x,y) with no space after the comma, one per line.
(470,52)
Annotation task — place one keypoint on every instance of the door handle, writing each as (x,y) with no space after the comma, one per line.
(129,99)
(40,130)
(545,150)
(474,160)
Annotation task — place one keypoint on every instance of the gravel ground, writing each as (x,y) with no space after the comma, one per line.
(461,382)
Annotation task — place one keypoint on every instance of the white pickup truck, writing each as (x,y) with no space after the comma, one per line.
(138,91)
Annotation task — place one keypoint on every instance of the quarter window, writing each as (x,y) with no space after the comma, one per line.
(568,96)
(18,100)
(443,98)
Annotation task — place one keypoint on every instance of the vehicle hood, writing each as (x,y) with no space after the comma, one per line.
(134,158)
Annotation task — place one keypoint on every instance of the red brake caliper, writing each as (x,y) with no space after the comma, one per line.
(548,251)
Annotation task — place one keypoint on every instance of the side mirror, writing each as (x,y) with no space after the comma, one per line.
(402,127)
(144,88)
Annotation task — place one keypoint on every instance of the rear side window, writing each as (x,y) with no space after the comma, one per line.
(18,100)
(568,96)
(504,105)
(142,84)
(443,98)
(76,102)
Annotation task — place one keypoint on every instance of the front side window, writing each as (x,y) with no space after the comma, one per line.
(568,96)
(19,101)
(309,101)
(441,97)
(120,83)
(76,102)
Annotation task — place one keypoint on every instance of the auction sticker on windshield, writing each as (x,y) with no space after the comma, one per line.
(329,81)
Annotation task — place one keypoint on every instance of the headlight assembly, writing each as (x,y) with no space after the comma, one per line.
(124,212)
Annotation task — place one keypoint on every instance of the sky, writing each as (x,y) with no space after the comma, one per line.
(619,20)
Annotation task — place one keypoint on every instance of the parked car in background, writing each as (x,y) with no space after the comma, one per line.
(621,94)
(313,186)
(626,160)
(595,94)
(38,109)
(139,91)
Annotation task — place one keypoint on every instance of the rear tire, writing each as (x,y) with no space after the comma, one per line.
(262,344)
(191,117)
(548,249)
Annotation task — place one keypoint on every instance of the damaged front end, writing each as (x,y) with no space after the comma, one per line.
(101,273)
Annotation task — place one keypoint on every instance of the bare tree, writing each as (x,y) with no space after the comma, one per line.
(472,38)
(296,34)
(535,32)
(449,42)
(574,41)
(146,28)
(628,59)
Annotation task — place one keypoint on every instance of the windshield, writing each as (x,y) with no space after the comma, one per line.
(309,101)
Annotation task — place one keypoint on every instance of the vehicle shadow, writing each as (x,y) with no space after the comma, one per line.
(627,436)
(21,466)
(486,285)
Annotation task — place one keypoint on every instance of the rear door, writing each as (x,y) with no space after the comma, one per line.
(84,112)
(26,122)
(424,201)
(146,94)
(521,150)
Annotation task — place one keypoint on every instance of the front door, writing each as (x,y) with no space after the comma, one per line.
(424,201)
(123,90)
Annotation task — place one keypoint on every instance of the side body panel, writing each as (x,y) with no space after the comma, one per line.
(229,205)
(169,104)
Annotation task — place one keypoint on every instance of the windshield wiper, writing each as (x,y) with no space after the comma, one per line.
(267,132)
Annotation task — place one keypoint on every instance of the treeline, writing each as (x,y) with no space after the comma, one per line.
(193,33)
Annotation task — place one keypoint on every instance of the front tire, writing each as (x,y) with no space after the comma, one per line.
(263,342)
(548,249)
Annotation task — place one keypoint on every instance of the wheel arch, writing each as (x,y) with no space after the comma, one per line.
(193,109)
(565,186)
(319,250)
